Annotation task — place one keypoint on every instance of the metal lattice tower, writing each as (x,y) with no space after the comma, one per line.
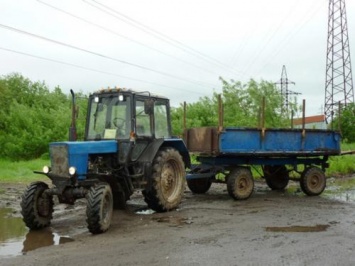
(285,92)
(339,82)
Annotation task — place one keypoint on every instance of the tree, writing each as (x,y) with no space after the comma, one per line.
(347,122)
(31,116)
(242,107)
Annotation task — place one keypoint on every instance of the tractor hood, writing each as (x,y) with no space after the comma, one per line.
(76,154)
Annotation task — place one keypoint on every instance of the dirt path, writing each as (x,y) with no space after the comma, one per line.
(270,228)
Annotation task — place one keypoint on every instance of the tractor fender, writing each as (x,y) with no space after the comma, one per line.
(149,153)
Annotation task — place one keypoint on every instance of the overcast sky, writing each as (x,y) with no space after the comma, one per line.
(178,49)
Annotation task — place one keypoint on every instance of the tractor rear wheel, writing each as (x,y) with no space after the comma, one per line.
(99,208)
(240,183)
(168,181)
(36,206)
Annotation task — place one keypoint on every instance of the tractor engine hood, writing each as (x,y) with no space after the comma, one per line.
(76,154)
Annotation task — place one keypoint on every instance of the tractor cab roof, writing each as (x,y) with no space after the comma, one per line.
(115,90)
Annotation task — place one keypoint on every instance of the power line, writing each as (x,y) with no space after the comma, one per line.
(100,55)
(290,36)
(123,36)
(246,36)
(271,36)
(161,36)
(94,70)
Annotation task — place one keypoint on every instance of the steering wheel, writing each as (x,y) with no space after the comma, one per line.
(119,122)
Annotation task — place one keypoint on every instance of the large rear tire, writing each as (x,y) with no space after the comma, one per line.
(99,208)
(168,181)
(313,181)
(276,176)
(36,206)
(240,183)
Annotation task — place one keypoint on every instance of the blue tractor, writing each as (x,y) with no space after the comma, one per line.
(128,145)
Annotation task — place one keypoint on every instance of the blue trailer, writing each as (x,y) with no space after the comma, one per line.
(231,152)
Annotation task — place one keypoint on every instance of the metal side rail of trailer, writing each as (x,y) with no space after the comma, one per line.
(231,152)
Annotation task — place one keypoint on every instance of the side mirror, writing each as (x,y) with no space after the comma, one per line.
(149,106)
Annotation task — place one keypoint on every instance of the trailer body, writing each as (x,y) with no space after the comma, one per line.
(278,152)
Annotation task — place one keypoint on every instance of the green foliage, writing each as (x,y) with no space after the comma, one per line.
(31,116)
(242,107)
(22,171)
(341,165)
(347,123)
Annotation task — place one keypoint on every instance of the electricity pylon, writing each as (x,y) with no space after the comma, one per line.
(285,92)
(339,83)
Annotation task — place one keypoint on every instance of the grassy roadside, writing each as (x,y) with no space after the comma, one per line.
(342,165)
(22,171)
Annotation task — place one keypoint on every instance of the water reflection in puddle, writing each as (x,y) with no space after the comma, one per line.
(16,239)
(43,238)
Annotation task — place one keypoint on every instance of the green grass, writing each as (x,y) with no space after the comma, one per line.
(348,146)
(342,165)
(22,171)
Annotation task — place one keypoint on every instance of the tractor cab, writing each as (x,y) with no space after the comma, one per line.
(124,114)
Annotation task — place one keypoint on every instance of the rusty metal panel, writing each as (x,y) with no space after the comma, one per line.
(59,159)
(203,140)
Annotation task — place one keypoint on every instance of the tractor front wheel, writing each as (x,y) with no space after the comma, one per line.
(99,208)
(36,206)
(168,181)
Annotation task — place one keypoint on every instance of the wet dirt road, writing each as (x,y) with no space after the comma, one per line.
(270,228)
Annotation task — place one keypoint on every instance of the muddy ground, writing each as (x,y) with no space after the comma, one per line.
(270,228)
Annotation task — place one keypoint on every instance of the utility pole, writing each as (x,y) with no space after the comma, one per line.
(285,92)
(339,83)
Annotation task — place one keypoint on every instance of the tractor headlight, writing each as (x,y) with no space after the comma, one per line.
(46,169)
(72,170)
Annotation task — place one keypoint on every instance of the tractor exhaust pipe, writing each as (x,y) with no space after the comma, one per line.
(72,129)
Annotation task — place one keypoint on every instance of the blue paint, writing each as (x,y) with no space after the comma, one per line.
(78,153)
(279,141)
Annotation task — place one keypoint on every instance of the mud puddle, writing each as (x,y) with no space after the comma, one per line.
(339,189)
(16,239)
(298,228)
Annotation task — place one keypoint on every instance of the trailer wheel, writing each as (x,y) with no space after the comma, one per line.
(313,181)
(99,208)
(240,183)
(168,181)
(276,177)
(36,206)
(200,185)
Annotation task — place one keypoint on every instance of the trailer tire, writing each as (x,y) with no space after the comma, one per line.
(168,181)
(276,177)
(313,181)
(99,208)
(200,185)
(36,206)
(240,183)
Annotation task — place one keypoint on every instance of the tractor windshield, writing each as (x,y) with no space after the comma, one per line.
(109,117)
